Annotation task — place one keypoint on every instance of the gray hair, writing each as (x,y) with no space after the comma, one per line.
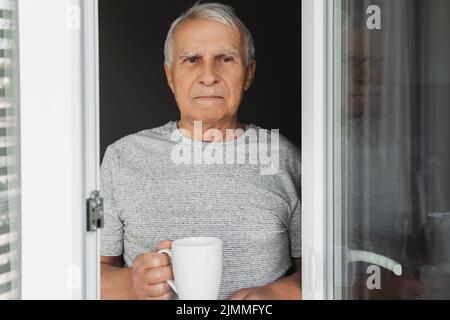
(211,11)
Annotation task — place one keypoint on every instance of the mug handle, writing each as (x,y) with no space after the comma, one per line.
(170,282)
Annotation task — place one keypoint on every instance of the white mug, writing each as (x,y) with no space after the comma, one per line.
(197,267)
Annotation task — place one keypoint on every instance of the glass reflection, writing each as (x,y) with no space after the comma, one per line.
(395,147)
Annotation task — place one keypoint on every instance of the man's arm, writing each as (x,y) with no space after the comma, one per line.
(288,288)
(115,279)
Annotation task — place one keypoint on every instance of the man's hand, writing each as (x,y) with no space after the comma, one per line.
(258,293)
(149,274)
(288,288)
(392,287)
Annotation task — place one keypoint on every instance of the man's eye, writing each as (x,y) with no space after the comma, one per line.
(227,59)
(192,59)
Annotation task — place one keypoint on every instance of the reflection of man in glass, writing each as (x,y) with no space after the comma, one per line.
(377,164)
(365,72)
(209,64)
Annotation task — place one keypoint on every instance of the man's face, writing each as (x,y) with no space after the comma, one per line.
(208,73)
(365,70)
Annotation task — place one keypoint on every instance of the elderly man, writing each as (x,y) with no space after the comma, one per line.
(151,198)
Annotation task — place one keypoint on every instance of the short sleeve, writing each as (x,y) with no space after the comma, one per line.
(111,240)
(295,221)
(295,235)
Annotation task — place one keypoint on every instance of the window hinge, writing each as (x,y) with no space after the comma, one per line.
(94,211)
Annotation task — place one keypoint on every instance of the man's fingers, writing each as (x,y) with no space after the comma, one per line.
(157,275)
(414,286)
(407,288)
(253,296)
(151,271)
(153,260)
(418,289)
(158,289)
(240,295)
(165,296)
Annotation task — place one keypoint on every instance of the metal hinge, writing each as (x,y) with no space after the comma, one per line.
(94,209)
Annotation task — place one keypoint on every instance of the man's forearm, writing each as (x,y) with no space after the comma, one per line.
(289,288)
(115,283)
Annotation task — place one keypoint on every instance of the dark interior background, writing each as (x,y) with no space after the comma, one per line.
(134,94)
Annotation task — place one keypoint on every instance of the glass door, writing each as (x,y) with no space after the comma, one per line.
(391,149)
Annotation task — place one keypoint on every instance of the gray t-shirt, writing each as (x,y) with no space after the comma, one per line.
(150,197)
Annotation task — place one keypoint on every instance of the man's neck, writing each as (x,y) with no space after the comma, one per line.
(207,131)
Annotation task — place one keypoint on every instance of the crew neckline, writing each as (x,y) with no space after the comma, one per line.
(174,128)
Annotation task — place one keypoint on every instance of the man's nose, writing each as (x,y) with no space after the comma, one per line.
(209,75)
(365,74)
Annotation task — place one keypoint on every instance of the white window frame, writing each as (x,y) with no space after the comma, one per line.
(324,245)
(92,137)
(59,147)
(318,228)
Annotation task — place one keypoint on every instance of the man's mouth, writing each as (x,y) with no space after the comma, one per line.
(208,97)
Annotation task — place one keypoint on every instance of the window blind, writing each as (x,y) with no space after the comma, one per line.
(9,153)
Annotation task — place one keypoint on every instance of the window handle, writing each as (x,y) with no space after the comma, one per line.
(374,258)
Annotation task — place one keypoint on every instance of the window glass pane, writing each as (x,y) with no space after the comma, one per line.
(9,154)
(392,115)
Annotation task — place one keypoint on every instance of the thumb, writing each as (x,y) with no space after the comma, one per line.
(166,244)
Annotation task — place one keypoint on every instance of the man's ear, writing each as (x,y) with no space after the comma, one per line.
(169,76)
(250,74)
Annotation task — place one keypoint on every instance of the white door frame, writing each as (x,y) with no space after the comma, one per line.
(90,50)
(59,147)
(317,150)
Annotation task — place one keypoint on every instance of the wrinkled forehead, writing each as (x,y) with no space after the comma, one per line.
(364,42)
(201,35)
(214,50)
